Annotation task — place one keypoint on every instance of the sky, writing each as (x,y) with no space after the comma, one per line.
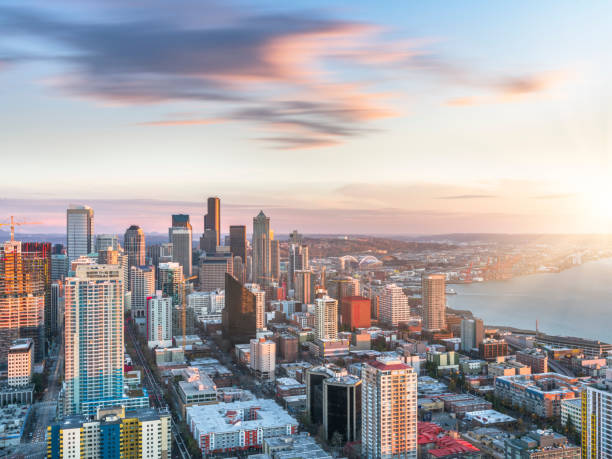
(333,117)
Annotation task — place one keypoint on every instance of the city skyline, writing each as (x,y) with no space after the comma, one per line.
(516,91)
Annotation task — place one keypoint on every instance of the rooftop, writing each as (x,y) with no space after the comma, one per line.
(488,417)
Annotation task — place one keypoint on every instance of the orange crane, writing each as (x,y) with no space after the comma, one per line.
(184,312)
(13,224)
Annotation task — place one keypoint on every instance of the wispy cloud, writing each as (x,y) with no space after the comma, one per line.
(184,122)
(469,196)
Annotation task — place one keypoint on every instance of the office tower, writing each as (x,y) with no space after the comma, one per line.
(433,291)
(160,253)
(59,266)
(597,419)
(20,362)
(56,308)
(342,408)
(239,270)
(113,433)
(298,261)
(394,307)
(238,243)
(326,318)
(93,309)
(472,334)
(343,286)
(213,269)
(261,249)
(180,237)
(260,303)
(263,358)
(274,259)
(249,268)
(355,312)
(212,226)
(134,248)
(25,292)
(288,346)
(143,287)
(388,410)
(104,241)
(243,312)
(79,231)
(159,320)
(303,291)
(313,379)
(171,282)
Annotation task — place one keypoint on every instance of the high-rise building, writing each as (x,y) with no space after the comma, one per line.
(93,344)
(79,231)
(355,312)
(597,419)
(238,242)
(212,271)
(314,378)
(25,293)
(104,241)
(171,282)
(159,320)
(108,256)
(114,432)
(20,362)
(388,410)
(243,314)
(239,270)
(433,292)
(274,259)
(326,318)
(394,307)
(303,291)
(181,237)
(263,358)
(472,334)
(143,287)
(342,408)
(59,266)
(56,309)
(261,249)
(212,226)
(298,260)
(207,306)
(134,248)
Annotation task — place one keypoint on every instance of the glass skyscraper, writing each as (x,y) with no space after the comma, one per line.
(79,231)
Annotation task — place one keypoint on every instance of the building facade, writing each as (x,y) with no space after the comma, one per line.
(433,292)
(326,318)
(181,237)
(394,307)
(159,320)
(79,231)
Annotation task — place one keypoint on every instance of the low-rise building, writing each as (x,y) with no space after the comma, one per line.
(20,362)
(238,426)
(490,349)
(541,444)
(535,358)
(293,446)
(197,388)
(288,386)
(571,411)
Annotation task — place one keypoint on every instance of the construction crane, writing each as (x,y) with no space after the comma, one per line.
(13,224)
(184,312)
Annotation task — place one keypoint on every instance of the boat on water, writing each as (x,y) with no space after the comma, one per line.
(451,291)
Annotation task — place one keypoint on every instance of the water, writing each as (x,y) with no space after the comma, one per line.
(576,302)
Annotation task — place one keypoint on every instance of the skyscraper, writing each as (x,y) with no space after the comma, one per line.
(79,231)
(303,291)
(243,312)
(326,318)
(181,236)
(25,293)
(298,261)
(433,291)
(212,226)
(394,306)
(134,248)
(238,242)
(143,287)
(261,249)
(274,259)
(597,419)
(93,337)
(388,410)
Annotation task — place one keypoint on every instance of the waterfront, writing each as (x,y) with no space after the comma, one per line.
(577,301)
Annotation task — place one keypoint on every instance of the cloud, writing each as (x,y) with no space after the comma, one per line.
(251,64)
(555,196)
(186,122)
(469,196)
